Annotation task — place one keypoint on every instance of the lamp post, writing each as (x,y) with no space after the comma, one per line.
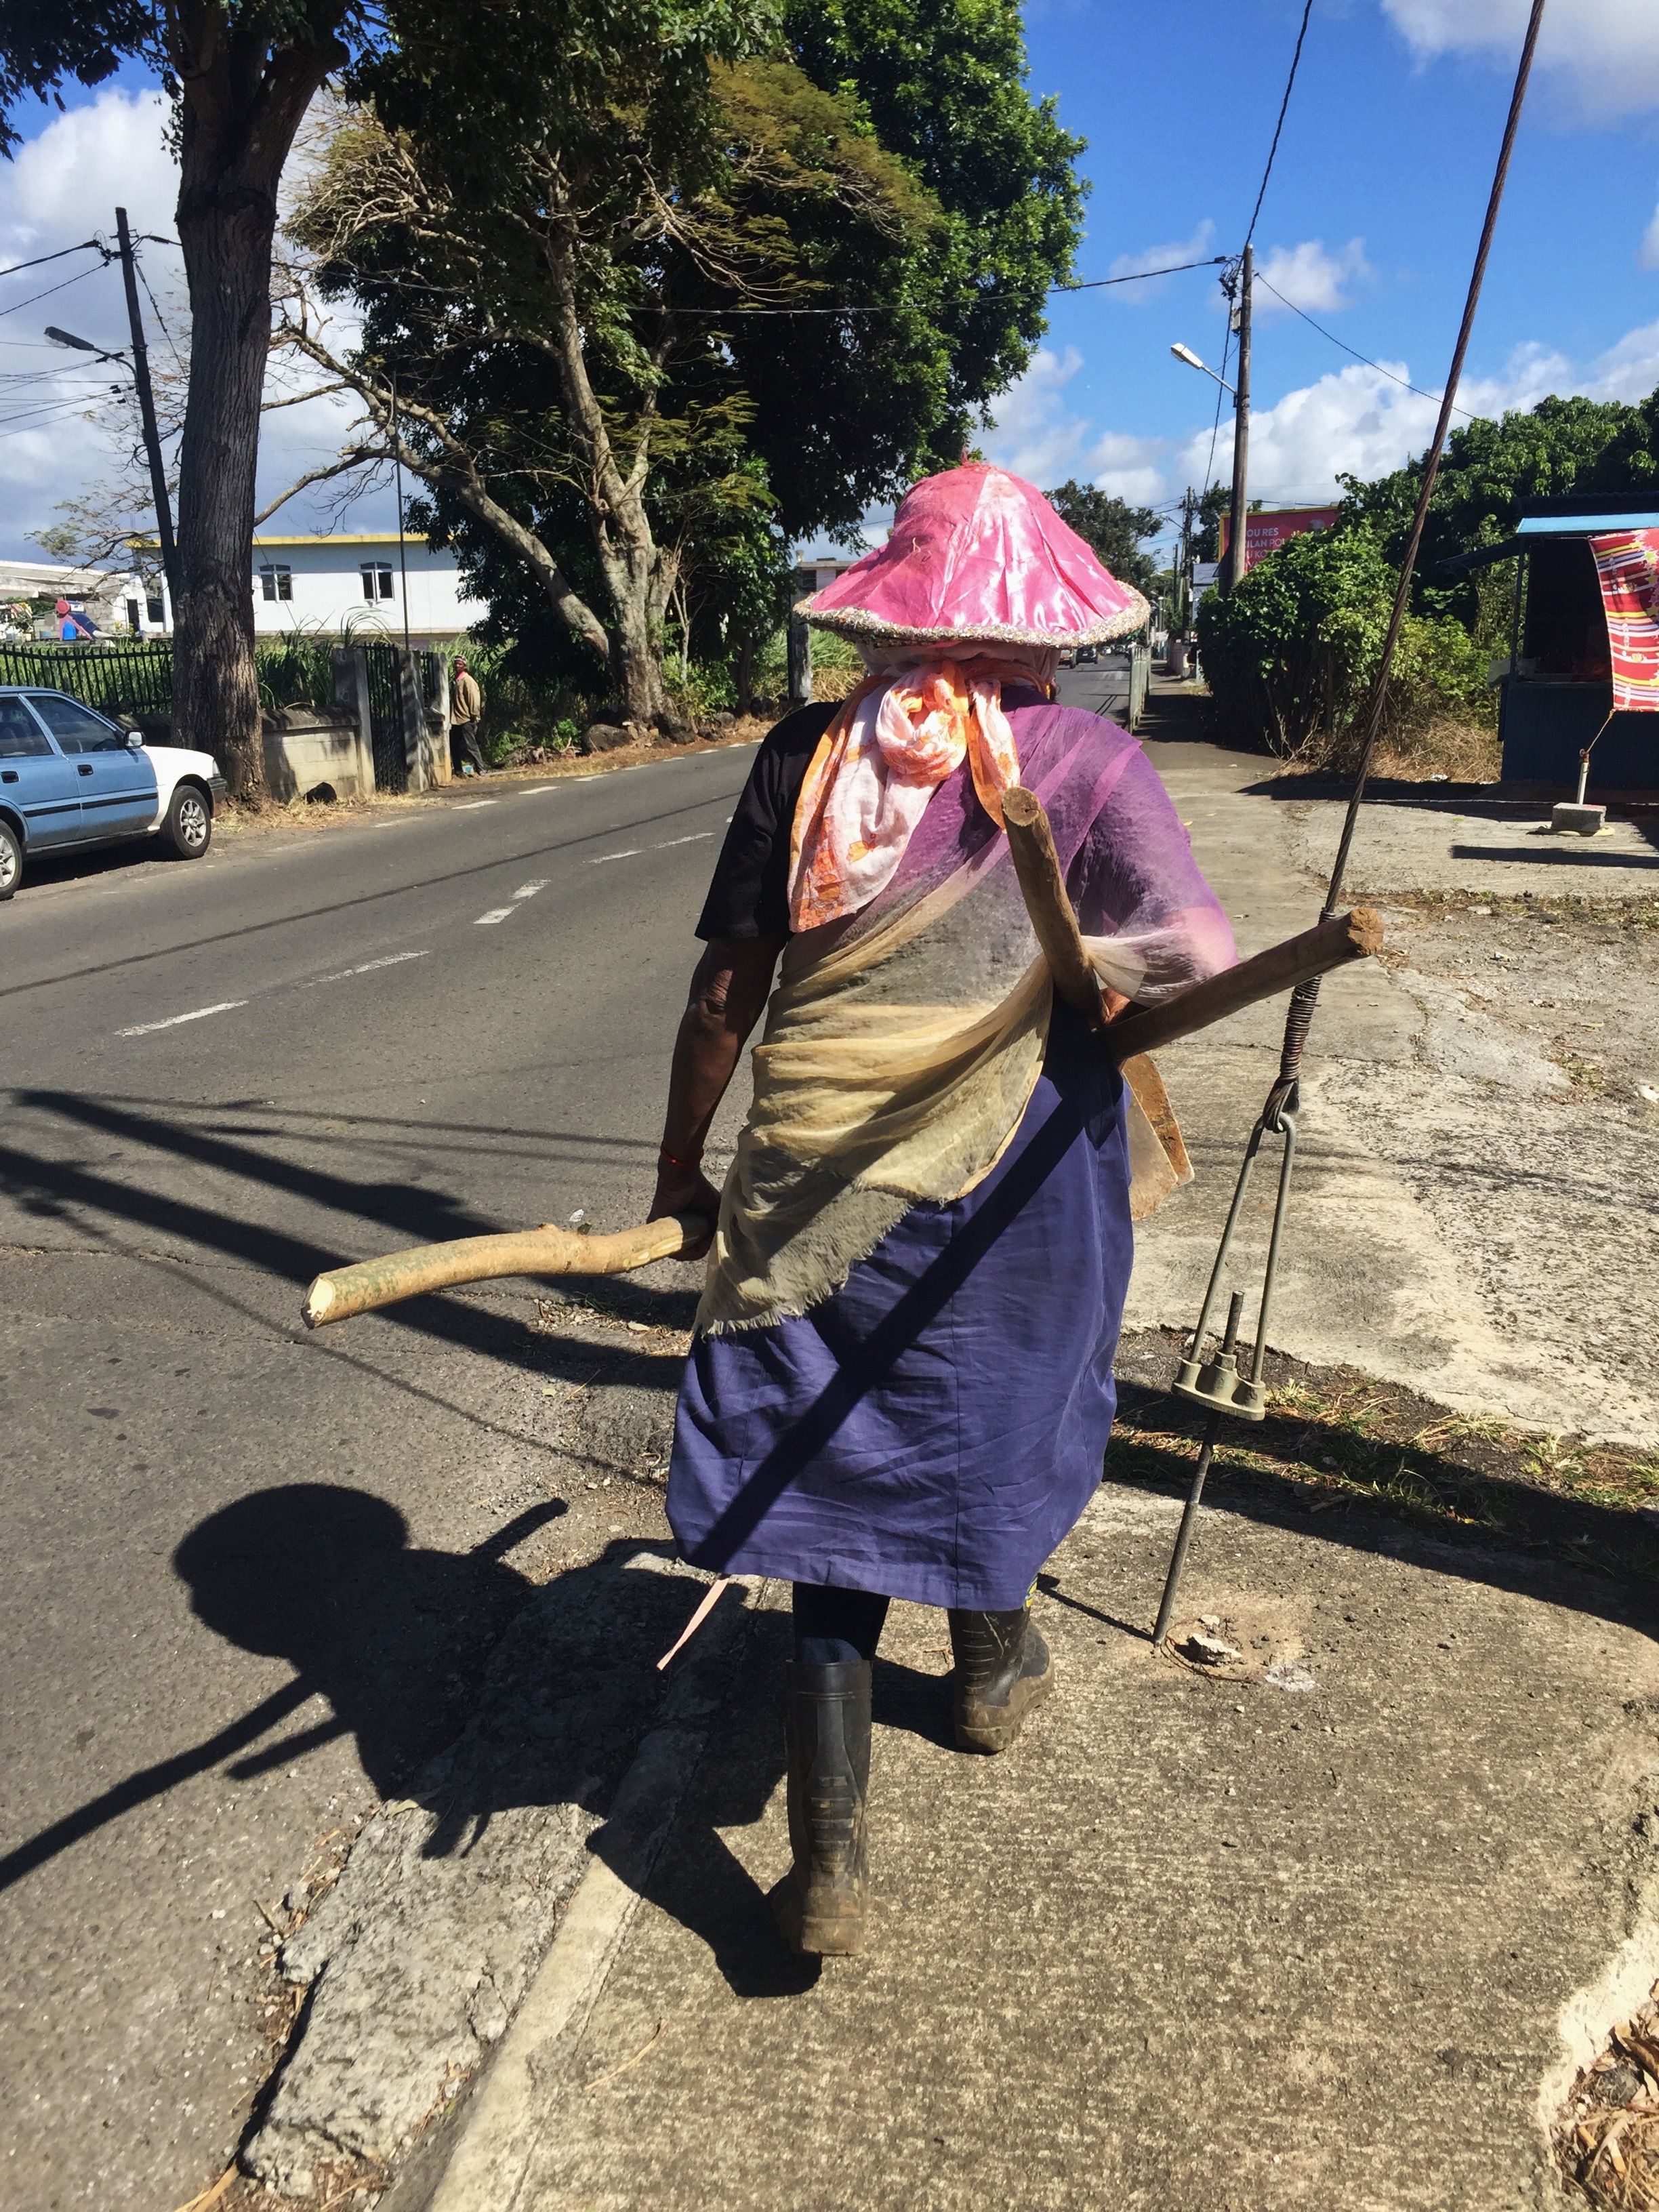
(158,479)
(1244,282)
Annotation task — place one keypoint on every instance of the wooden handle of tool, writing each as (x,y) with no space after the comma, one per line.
(1330,944)
(1048,902)
(544,1251)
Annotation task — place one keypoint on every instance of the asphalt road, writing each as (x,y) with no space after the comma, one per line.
(220,1078)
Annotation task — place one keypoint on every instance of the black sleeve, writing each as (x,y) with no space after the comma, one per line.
(749,895)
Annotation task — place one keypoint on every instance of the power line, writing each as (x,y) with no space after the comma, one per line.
(1137,275)
(1355,351)
(1215,427)
(1283,105)
(18,305)
(86,245)
(1090,284)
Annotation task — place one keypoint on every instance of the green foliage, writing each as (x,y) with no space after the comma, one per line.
(1291,653)
(1112,527)
(297,670)
(1558,446)
(1214,502)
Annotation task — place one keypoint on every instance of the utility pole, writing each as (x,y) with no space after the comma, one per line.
(158,475)
(1234,568)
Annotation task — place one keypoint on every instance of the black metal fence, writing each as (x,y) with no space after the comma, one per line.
(386,717)
(125,677)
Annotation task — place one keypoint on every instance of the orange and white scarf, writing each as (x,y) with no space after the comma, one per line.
(879,763)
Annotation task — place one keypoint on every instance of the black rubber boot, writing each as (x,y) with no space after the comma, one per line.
(822,1903)
(1003,1669)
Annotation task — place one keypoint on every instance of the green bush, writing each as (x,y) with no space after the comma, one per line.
(1290,655)
(297,670)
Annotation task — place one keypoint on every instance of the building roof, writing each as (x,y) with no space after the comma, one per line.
(344,538)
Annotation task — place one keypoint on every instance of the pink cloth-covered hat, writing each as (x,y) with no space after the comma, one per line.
(976,553)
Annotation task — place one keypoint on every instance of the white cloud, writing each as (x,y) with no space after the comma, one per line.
(1647,254)
(1603,55)
(1357,421)
(1032,434)
(1038,437)
(1308,277)
(64,186)
(1176,256)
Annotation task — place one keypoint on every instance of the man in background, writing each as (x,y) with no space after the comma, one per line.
(465,710)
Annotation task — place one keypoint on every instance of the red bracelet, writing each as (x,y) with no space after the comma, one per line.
(663,1153)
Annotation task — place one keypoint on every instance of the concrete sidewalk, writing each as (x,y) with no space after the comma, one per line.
(1331,1935)
(1328,1935)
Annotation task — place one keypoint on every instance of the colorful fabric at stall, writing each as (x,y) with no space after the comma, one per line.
(1627,565)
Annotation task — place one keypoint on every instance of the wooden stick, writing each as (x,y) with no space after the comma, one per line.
(1050,903)
(1330,944)
(544,1251)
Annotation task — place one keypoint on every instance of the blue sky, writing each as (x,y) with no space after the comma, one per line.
(1369,222)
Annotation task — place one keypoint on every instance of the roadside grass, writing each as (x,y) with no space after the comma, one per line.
(1332,1438)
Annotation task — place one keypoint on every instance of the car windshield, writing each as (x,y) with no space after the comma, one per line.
(21,735)
(76,727)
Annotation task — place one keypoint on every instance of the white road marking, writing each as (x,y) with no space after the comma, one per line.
(200,1014)
(466,805)
(633,851)
(529,890)
(388,960)
(495,913)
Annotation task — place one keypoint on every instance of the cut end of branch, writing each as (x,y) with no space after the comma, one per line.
(1020,806)
(319,1301)
(1365,926)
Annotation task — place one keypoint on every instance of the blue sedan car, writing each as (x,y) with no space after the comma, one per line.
(70,778)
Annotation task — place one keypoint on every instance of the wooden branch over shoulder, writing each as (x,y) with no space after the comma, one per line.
(1330,944)
(544,1251)
(1048,904)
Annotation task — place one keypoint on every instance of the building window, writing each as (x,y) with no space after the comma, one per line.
(154,610)
(133,623)
(274,582)
(377,580)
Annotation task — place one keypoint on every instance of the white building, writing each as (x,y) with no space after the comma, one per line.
(357,584)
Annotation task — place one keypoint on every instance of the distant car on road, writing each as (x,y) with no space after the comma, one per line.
(70,778)
(1086,655)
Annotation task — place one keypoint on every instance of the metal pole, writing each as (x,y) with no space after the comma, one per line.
(398,474)
(1189,1511)
(158,475)
(1241,426)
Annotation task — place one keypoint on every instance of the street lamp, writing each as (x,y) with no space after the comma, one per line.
(1186,354)
(1238,282)
(80,345)
(137,368)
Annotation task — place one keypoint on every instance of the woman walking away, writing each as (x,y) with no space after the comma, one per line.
(899,1383)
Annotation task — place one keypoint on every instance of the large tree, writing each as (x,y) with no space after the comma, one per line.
(242,75)
(558,317)
(1113,527)
(656,320)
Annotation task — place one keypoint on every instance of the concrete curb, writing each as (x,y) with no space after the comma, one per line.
(517,2096)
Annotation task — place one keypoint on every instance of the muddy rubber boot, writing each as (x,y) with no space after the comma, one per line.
(822,1903)
(1003,1669)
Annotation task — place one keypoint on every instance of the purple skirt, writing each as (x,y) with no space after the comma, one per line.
(933,1428)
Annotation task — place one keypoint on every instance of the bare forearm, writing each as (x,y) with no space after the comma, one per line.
(728,992)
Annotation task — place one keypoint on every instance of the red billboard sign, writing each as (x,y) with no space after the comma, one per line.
(1266,530)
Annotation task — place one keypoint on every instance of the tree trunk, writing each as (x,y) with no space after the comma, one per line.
(638,573)
(240,108)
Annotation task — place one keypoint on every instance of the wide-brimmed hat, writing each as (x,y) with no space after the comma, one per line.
(976,554)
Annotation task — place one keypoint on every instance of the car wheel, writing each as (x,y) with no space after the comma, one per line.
(188,829)
(11,860)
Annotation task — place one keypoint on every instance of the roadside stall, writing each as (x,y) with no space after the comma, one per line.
(1583,670)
